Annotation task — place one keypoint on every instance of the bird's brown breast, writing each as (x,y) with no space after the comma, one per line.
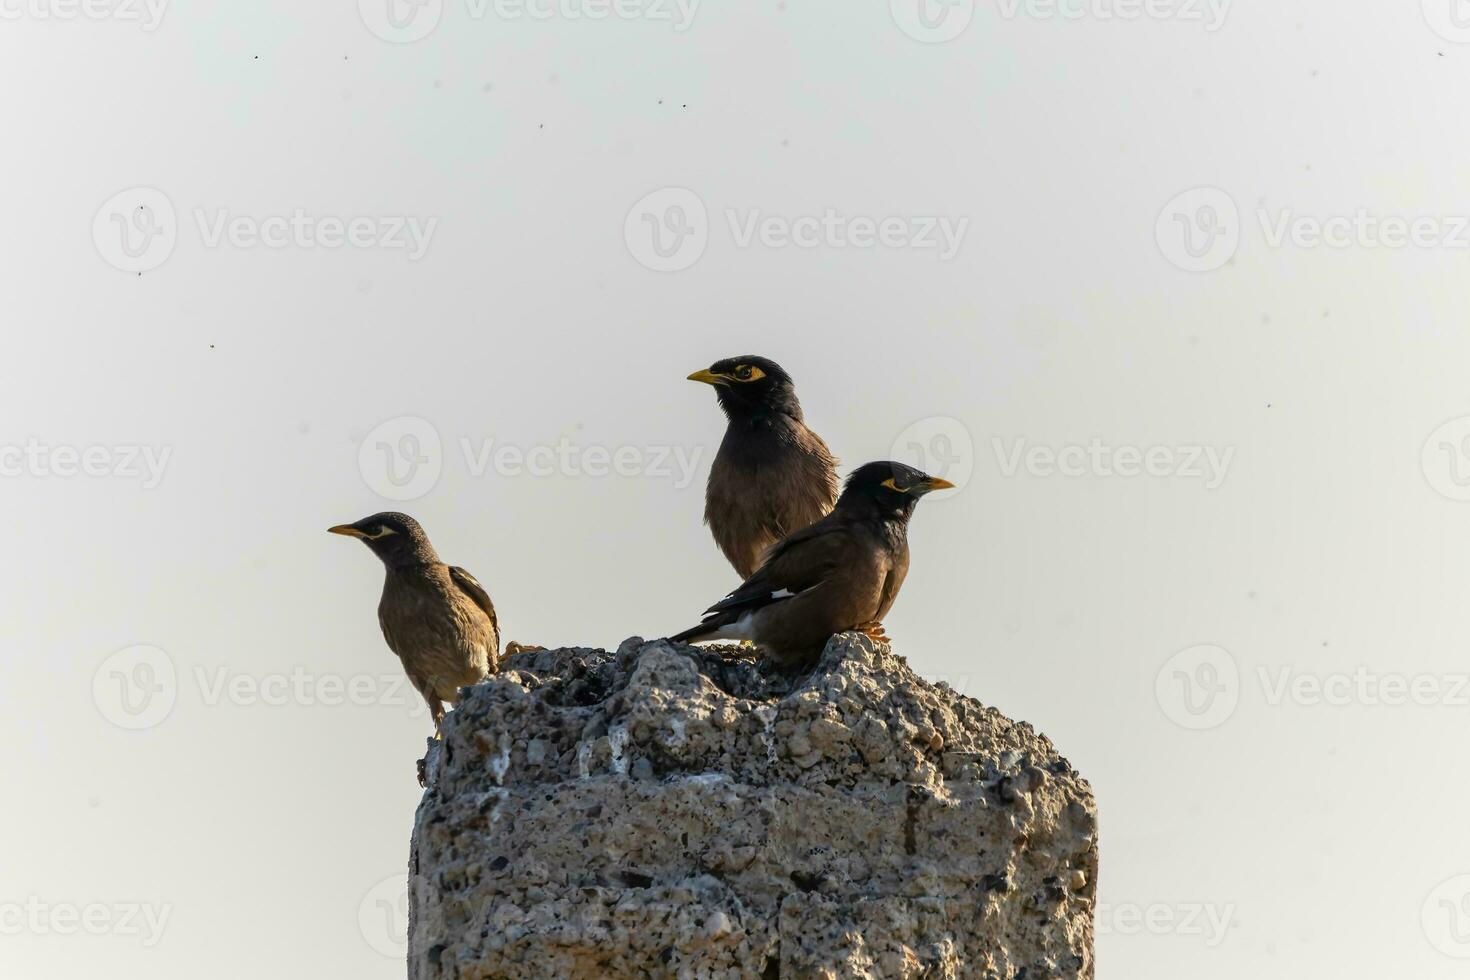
(765,483)
(444,639)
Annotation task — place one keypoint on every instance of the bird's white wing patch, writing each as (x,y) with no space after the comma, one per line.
(788,594)
(738,630)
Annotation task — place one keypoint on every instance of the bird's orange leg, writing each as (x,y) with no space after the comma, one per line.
(873,630)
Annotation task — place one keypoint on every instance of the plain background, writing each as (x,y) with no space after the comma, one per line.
(1331,835)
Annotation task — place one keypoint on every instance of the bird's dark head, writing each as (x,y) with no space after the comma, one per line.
(751,385)
(888,489)
(395,538)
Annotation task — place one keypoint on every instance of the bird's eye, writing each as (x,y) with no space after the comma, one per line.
(745,372)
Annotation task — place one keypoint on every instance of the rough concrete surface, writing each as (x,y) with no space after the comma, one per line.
(665,812)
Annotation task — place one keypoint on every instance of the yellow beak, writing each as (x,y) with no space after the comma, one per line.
(346,529)
(709,378)
(936,483)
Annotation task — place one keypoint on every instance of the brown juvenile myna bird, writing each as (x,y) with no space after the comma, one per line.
(436,617)
(841,573)
(772,476)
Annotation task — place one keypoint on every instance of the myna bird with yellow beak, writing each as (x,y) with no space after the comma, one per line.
(436,617)
(772,476)
(841,573)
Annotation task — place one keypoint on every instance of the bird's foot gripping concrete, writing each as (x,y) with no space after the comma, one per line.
(664,812)
(874,631)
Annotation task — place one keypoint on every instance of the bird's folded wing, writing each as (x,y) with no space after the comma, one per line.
(800,563)
(472,588)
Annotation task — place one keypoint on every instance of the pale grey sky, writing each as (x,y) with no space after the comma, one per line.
(977,246)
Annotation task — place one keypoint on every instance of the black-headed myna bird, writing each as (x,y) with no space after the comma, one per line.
(436,617)
(841,573)
(772,476)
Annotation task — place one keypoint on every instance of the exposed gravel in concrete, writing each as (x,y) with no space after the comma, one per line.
(665,812)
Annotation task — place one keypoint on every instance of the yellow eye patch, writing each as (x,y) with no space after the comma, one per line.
(893,486)
(747,372)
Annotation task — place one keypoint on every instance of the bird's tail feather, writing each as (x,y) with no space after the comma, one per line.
(693,634)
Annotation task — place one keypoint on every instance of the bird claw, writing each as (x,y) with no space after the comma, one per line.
(874,631)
